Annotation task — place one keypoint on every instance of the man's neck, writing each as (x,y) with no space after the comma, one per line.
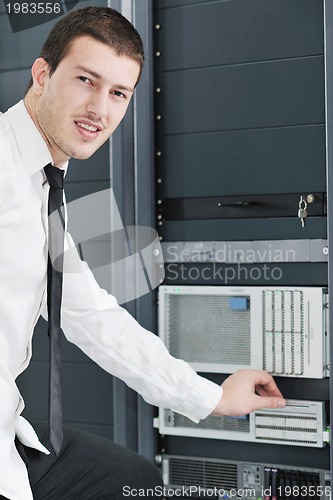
(30,102)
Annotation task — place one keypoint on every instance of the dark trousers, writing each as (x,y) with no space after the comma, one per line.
(88,467)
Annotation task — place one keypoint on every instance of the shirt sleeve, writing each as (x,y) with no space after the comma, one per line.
(3,166)
(107,333)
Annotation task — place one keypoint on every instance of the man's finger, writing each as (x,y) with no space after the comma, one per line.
(265,384)
(269,402)
(264,391)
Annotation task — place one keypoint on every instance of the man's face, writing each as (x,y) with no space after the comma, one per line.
(85,99)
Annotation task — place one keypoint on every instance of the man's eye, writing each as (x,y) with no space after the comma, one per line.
(84,79)
(119,94)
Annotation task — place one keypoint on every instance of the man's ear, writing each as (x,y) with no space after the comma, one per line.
(39,73)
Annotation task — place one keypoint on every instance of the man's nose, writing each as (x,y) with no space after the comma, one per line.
(98,104)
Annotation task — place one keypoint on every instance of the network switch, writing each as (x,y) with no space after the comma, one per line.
(299,423)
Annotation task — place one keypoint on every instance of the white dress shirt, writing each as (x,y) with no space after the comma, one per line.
(91,318)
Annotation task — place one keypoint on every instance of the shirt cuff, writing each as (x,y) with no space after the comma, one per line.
(201,400)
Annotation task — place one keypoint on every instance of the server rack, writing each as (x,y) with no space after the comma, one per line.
(194,207)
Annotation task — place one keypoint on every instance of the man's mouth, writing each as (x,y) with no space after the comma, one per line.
(88,131)
(91,128)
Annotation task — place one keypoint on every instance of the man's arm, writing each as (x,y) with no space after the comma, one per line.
(107,333)
(239,393)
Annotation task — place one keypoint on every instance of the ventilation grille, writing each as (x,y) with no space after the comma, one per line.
(205,329)
(211,423)
(287,440)
(183,472)
(288,428)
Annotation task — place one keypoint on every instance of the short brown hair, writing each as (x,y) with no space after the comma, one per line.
(101,23)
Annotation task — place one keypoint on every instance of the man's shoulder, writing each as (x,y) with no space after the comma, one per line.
(6,135)
(14,115)
(4,123)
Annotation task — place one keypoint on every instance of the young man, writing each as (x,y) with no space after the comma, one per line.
(81,86)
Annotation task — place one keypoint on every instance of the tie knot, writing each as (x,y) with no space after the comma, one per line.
(55,176)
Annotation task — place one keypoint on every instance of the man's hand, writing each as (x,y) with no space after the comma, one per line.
(239,393)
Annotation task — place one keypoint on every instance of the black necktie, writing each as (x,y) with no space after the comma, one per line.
(55,177)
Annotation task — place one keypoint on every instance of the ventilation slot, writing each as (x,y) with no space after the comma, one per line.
(205,474)
(203,328)
(212,423)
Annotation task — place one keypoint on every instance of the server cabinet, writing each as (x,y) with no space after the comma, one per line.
(241,174)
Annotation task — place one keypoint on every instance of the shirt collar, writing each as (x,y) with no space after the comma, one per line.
(32,147)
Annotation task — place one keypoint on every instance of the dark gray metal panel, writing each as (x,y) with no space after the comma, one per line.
(12,88)
(131,174)
(40,347)
(270,94)
(241,229)
(164,4)
(276,274)
(19,50)
(91,401)
(75,190)
(120,412)
(125,430)
(216,33)
(122,176)
(244,162)
(235,252)
(105,431)
(122,183)
(145,192)
(87,392)
(95,168)
(96,252)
